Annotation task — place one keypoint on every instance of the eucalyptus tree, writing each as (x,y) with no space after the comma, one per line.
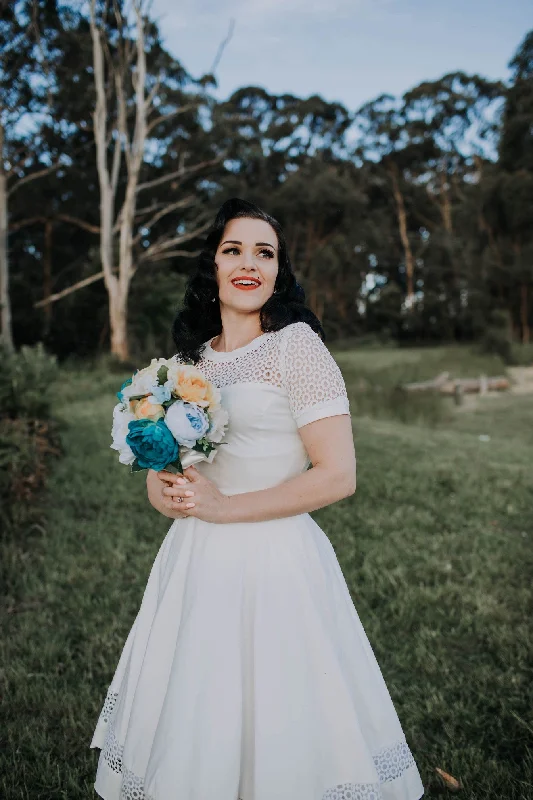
(384,137)
(26,86)
(132,100)
(266,137)
(459,114)
(506,198)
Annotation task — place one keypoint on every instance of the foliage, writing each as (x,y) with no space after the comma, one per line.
(28,434)
(437,532)
(26,379)
(408,218)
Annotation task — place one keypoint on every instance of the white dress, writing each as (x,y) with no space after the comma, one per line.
(247,672)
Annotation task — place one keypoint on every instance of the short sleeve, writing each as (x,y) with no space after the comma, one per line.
(312,377)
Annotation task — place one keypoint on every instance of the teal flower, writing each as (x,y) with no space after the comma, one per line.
(152,443)
(119,393)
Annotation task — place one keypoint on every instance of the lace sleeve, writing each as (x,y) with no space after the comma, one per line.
(312,377)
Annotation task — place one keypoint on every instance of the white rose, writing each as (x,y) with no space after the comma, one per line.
(119,431)
(187,422)
(144,380)
(219,420)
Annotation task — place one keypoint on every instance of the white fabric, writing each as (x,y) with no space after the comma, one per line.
(247,672)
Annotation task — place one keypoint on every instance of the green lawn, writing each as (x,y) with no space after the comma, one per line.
(436,546)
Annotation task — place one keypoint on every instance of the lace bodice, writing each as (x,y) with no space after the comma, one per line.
(271,387)
(294,359)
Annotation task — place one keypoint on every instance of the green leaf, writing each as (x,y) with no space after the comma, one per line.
(170,402)
(162,374)
(135,467)
(176,464)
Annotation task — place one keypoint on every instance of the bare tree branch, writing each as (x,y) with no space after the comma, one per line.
(222,46)
(175,254)
(163,117)
(166,244)
(74,288)
(187,201)
(79,222)
(23,223)
(31,177)
(182,172)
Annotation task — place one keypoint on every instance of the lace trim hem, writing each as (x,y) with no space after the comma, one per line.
(391,763)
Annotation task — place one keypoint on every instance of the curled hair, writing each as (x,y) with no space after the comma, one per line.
(199,318)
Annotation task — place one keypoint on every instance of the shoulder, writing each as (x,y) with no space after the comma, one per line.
(304,353)
(300,331)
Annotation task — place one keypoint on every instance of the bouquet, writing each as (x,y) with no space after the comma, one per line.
(169,416)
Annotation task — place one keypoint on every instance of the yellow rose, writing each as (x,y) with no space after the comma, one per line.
(143,409)
(192,386)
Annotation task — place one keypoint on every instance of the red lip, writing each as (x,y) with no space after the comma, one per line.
(246,278)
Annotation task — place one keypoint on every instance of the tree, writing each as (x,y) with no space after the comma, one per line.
(123,74)
(25,86)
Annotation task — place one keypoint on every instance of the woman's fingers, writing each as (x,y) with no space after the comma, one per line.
(171,477)
(177,491)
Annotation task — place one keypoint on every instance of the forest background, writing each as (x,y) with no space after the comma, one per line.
(408,219)
(409,226)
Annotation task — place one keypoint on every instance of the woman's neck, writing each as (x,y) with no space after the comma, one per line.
(236,333)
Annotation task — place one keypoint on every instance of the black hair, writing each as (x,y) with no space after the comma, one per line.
(199,320)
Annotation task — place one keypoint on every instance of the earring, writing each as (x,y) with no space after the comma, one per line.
(213,299)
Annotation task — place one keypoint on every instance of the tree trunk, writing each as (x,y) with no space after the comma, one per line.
(118,320)
(402,225)
(524,315)
(5,305)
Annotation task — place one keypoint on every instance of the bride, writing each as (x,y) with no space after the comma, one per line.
(247,674)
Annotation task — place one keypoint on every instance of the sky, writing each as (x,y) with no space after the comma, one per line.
(344,50)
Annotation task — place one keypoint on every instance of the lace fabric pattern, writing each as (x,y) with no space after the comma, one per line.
(312,377)
(295,359)
(391,762)
(258,365)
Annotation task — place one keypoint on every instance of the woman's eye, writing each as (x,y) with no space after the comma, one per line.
(267,253)
(230,250)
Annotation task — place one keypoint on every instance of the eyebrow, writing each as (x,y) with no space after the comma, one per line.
(257,244)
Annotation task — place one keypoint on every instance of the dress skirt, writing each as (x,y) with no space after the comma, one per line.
(248,674)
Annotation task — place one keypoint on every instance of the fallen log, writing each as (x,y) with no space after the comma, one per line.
(423,386)
(444,385)
(481,385)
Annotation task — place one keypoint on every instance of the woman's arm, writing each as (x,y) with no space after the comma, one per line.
(329,443)
(330,446)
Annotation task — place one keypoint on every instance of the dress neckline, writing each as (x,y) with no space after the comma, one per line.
(219,355)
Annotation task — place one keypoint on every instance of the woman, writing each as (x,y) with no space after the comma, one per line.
(247,673)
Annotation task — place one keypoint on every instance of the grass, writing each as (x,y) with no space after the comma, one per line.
(435,545)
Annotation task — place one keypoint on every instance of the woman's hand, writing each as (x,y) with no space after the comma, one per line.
(201,498)
(159,501)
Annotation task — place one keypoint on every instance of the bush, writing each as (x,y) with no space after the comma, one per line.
(25,381)
(27,434)
(25,446)
(497,338)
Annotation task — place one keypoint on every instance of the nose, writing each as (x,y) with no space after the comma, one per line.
(248,259)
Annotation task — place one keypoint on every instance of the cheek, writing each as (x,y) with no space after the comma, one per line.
(270,271)
(223,267)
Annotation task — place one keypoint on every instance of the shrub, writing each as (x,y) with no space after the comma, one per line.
(25,381)
(27,434)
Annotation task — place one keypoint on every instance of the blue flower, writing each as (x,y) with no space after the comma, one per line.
(161,394)
(187,421)
(119,393)
(152,443)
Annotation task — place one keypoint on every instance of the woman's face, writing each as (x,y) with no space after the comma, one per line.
(248,250)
